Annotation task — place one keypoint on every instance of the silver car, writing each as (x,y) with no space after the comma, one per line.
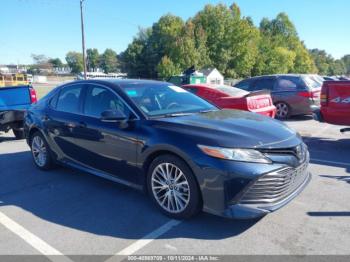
(292,94)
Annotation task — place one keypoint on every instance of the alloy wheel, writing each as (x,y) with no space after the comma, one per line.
(282,110)
(170,188)
(39,151)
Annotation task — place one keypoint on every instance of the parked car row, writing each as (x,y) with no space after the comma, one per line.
(186,153)
(291,94)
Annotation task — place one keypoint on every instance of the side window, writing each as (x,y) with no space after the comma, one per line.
(100,99)
(264,84)
(68,100)
(287,84)
(245,84)
(53,101)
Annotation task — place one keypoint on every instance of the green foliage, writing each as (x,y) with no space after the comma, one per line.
(93,59)
(166,68)
(327,65)
(55,62)
(280,48)
(346,61)
(109,62)
(219,36)
(75,62)
(337,67)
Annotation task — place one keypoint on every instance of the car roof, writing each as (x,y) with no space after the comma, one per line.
(119,82)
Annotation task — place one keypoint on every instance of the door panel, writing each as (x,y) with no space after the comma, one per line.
(108,146)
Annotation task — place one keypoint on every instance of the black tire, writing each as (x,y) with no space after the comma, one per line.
(48,164)
(282,111)
(194,204)
(19,133)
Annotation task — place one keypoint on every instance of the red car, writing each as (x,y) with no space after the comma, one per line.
(335,103)
(229,97)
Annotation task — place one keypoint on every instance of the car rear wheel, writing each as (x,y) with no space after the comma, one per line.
(282,111)
(41,152)
(172,186)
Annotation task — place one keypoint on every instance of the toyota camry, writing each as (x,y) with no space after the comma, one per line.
(184,152)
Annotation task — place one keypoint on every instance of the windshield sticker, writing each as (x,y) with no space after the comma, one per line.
(131,93)
(178,89)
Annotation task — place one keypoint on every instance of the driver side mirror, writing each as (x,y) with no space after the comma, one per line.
(112,116)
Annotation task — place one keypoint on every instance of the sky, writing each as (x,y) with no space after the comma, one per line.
(52,27)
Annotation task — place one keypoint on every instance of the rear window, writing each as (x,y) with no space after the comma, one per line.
(14,97)
(232,91)
(68,100)
(311,83)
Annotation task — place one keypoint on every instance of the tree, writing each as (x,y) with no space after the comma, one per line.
(230,39)
(279,38)
(40,59)
(55,62)
(41,62)
(75,62)
(346,61)
(337,67)
(133,60)
(109,62)
(322,61)
(93,59)
(166,68)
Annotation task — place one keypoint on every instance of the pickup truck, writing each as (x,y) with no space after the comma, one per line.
(14,101)
(335,104)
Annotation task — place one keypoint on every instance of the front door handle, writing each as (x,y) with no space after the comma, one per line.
(82,124)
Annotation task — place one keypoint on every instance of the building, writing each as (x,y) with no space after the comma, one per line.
(213,76)
(13,69)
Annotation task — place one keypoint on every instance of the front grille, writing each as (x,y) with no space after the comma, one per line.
(276,186)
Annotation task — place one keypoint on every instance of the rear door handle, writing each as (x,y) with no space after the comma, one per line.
(70,125)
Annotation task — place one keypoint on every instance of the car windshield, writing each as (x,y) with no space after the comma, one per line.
(159,99)
(232,91)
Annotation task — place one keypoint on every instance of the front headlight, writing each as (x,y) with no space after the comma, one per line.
(236,154)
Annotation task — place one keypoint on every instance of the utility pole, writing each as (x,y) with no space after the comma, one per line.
(83,36)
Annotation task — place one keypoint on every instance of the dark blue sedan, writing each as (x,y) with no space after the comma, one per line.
(184,152)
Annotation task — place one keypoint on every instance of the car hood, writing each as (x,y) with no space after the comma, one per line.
(233,128)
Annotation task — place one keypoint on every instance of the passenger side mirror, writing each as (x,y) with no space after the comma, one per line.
(113,116)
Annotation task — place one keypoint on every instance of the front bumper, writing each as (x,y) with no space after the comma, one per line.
(250,211)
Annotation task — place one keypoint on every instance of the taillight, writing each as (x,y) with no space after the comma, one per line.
(324,96)
(305,94)
(33,98)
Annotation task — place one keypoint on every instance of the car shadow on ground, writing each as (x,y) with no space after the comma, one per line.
(329,214)
(6,138)
(87,203)
(320,148)
(298,118)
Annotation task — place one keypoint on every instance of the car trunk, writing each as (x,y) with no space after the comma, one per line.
(259,101)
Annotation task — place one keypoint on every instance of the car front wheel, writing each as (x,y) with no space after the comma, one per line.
(173,187)
(40,152)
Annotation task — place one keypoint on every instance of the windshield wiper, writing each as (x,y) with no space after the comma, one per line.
(208,111)
(177,114)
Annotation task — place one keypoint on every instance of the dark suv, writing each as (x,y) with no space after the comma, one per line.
(291,94)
